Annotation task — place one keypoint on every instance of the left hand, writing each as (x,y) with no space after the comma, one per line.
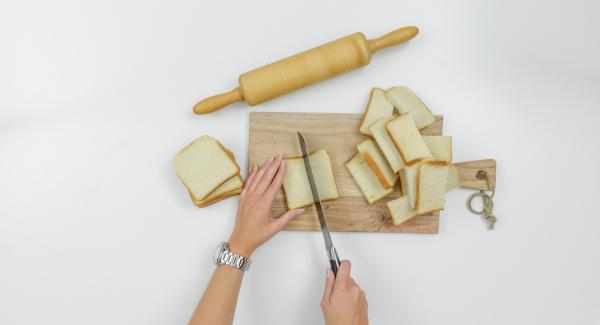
(254,223)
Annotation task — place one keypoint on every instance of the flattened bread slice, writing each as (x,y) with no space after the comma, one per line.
(366,179)
(203,166)
(377,108)
(440,147)
(408,180)
(231,187)
(386,144)
(370,152)
(453,180)
(431,187)
(400,210)
(406,101)
(408,140)
(296,184)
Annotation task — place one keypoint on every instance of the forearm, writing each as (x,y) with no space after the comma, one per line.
(217,305)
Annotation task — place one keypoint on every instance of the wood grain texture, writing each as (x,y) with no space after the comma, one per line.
(274,133)
(467,173)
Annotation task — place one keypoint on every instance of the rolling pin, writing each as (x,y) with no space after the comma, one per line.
(303,69)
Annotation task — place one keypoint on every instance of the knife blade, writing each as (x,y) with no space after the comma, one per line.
(334,260)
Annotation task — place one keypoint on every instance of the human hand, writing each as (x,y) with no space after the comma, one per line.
(344,302)
(254,223)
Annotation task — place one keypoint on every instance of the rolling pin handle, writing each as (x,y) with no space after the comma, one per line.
(392,38)
(219,101)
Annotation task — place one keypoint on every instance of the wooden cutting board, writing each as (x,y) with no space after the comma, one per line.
(275,133)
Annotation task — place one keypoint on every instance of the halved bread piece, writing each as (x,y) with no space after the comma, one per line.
(370,152)
(400,210)
(366,179)
(408,140)
(440,147)
(453,180)
(406,101)
(377,108)
(386,144)
(431,187)
(232,186)
(408,180)
(203,166)
(296,184)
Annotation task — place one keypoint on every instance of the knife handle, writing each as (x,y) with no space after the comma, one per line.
(334,260)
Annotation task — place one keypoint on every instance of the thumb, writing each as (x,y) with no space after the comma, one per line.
(329,280)
(286,217)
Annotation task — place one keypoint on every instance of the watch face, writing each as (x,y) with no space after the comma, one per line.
(218,252)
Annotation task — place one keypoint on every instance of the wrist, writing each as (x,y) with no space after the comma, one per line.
(239,248)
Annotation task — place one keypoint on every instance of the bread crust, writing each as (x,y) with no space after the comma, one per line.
(406,162)
(206,202)
(375,168)
(362,121)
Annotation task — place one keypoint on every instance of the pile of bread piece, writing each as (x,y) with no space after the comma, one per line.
(396,151)
(208,170)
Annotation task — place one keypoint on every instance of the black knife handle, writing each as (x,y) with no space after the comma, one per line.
(334,266)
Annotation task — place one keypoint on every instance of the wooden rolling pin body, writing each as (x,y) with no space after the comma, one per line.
(305,68)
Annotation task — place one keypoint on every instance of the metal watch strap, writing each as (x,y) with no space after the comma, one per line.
(230,258)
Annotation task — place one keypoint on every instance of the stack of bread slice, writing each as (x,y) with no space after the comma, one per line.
(208,170)
(397,151)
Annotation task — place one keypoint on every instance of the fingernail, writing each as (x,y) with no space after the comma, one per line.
(280,156)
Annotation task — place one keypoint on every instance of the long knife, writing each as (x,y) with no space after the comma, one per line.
(334,260)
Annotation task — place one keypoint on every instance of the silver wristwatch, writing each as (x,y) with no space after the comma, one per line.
(223,256)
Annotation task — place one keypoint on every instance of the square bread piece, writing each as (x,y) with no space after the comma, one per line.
(231,187)
(400,210)
(440,147)
(386,144)
(408,181)
(406,101)
(453,181)
(408,140)
(377,108)
(431,186)
(370,152)
(296,184)
(203,166)
(366,179)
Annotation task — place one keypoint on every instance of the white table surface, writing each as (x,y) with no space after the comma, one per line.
(96,97)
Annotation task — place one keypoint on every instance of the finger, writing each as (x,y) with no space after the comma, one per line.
(260,173)
(277,181)
(282,221)
(329,280)
(249,180)
(343,274)
(267,177)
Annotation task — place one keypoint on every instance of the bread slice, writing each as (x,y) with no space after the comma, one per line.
(408,180)
(431,187)
(203,166)
(408,140)
(386,144)
(453,180)
(370,152)
(296,184)
(406,101)
(400,210)
(366,179)
(231,187)
(220,198)
(440,147)
(377,108)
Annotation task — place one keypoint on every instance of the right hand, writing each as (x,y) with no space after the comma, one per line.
(344,302)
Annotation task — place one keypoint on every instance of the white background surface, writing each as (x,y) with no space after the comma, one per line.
(96,97)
